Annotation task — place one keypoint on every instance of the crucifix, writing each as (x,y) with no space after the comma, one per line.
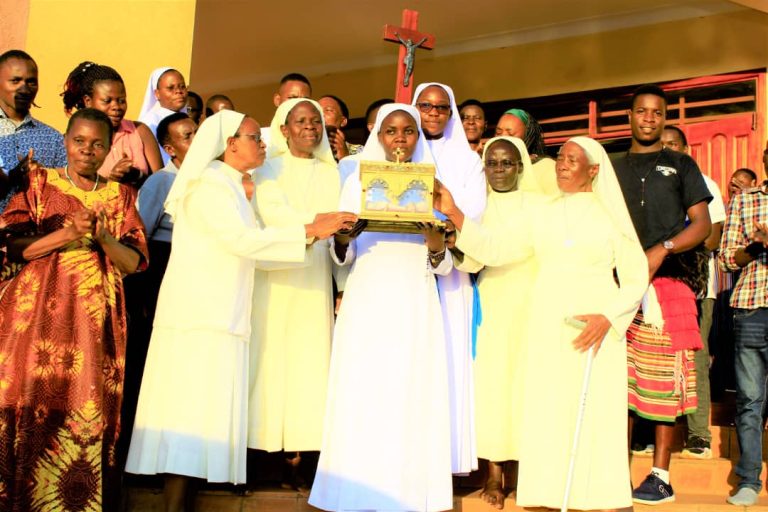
(409,40)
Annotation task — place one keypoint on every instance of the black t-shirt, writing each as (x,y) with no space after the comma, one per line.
(673,183)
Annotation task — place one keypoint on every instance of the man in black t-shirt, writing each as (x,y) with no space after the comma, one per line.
(659,206)
(667,200)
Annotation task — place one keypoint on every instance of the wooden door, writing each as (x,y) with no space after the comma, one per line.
(720,147)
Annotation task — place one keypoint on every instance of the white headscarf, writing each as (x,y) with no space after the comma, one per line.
(149,95)
(527,181)
(606,186)
(209,144)
(373,150)
(454,130)
(458,166)
(278,144)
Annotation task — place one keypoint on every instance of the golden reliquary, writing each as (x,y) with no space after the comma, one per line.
(397,195)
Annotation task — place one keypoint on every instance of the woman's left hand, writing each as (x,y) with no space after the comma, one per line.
(593,333)
(433,235)
(100,232)
(123,257)
(121,168)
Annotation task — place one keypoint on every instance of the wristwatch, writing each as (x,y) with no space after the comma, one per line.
(668,245)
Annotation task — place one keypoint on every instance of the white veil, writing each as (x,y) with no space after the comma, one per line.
(278,144)
(149,93)
(209,144)
(606,186)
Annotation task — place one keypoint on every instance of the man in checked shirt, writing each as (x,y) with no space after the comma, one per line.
(743,246)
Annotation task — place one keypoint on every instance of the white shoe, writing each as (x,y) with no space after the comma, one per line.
(643,451)
(745,497)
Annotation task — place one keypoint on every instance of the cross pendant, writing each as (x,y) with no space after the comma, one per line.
(642,202)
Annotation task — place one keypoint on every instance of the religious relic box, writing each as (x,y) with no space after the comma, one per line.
(397,195)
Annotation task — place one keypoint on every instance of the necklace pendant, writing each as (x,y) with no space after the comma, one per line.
(642,202)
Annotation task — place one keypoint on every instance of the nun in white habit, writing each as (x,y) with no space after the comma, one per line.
(192,411)
(460,170)
(153,111)
(386,436)
(293,307)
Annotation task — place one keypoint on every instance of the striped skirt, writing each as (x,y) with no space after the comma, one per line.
(662,382)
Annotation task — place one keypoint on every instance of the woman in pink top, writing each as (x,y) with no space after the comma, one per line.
(134,154)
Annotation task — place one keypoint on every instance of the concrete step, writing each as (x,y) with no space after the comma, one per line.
(700,485)
(689,475)
(687,503)
(714,477)
(725,442)
(151,500)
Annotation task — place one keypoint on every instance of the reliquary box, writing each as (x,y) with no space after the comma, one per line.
(397,195)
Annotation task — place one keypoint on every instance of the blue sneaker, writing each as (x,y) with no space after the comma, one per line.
(653,491)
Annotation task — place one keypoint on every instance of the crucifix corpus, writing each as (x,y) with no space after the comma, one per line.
(409,40)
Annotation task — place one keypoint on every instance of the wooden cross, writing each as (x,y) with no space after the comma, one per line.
(409,40)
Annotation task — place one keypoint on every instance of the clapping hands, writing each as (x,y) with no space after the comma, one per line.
(91,222)
(338,143)
(123,171)
(100,232)
(82,224)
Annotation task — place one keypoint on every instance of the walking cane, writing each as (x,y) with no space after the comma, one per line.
(577,432)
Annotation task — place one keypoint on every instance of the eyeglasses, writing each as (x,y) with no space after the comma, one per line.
(427,107)
(177,87)
(255,137)
(506,165)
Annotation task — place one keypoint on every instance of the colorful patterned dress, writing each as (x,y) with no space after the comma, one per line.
(62,353)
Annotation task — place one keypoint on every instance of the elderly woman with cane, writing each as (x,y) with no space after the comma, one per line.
(592,276)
